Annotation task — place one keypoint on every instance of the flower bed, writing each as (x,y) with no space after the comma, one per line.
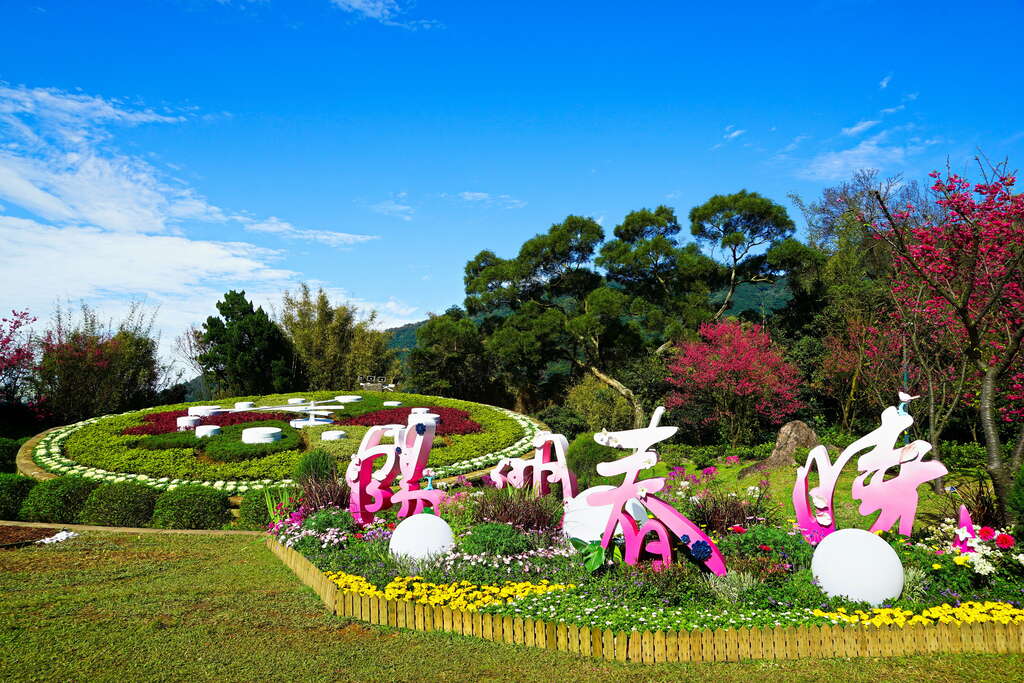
(111,448)
(507,568)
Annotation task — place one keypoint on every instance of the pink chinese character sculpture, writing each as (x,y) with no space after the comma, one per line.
(548,466)
(371,488)
(666,522)
(895,498)
(964,532)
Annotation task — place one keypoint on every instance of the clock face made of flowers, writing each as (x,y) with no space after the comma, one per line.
(895,498)
(660,530)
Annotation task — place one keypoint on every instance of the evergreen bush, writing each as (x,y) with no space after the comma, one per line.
(191,507)
(122,503)
(57,500)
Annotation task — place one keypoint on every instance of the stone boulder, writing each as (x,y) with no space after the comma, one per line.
(793,435)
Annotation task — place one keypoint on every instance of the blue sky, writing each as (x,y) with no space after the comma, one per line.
(172,149)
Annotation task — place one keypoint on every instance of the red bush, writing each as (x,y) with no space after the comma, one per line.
(453,420)
(164,423)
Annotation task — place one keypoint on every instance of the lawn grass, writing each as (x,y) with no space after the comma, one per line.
(124,607)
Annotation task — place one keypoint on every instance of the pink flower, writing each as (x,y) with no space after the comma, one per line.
(732,459)
(986,533)
(1005,541)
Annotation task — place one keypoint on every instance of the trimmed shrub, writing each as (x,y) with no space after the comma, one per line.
(252,513)
(120,503)
(496,539)
(562,420)
(57,500)
(8,454)
(13,490)
(314,465)
(584,454)
(191,507)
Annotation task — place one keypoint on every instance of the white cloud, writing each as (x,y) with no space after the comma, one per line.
(734,134)
(285,229)
(884,83)
(106,227)
(893,110)
(391,207)
(387,12)
(503,201)
(860,127)
(793,144)
(870,153)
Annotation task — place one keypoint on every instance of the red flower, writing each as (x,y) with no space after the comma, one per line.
(1005,541)
(359,535)
(986,533)
(737,529)
(766,548)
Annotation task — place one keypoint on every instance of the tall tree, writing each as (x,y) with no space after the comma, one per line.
(247,353)
(647,261)
(734,378)
(87,368)
(551,289)
(741,225)
(322,335)
(963,276)
(449,358)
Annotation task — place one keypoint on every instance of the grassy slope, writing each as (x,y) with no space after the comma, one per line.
(170,607)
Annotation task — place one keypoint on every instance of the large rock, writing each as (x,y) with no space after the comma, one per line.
(793,435)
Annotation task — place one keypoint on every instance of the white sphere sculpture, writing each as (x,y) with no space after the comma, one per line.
(261,434)
(392,404)
(332,435)
(207,430)
(188,422)
(421,536)
(587,522)
(858,565)
(245,405)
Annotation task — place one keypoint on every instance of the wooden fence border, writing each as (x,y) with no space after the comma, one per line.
(649,647)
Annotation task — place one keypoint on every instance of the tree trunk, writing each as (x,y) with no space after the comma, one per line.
(639,419)
(1002,480)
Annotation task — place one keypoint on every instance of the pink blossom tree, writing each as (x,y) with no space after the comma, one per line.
(15,355)
(960,271)
(734,378)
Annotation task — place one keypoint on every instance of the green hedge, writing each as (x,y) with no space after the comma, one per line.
(57,500)
(119,504)
(191,507)
(8,454)
(102,445)
(14,488)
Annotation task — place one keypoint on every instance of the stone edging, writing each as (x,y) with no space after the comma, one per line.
(25,463)
(649,647)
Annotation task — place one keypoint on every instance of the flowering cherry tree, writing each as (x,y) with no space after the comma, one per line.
(735,376)
(15,354)
(960,270)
